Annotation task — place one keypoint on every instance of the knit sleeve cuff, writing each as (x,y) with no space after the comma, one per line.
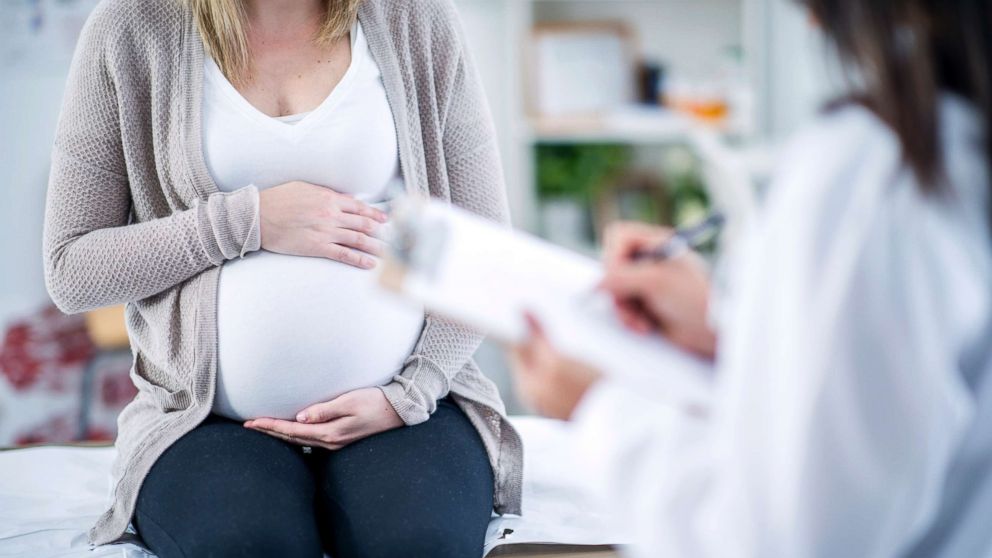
(415,392)
(228,224)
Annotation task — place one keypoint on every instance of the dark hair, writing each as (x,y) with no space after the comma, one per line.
(908,52)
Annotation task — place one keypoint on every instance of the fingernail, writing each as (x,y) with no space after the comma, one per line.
(368,263)
(302,417)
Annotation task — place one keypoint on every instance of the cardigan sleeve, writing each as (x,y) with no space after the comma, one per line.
(94,255)
(475,179)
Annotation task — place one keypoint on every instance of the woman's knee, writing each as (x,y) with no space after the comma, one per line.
(232,539)
(414,541)
(277,540)
(224,491)
(426,490)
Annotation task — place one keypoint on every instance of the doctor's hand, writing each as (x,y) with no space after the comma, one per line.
(303,219)
(671,297)
(335,424)
(548,382)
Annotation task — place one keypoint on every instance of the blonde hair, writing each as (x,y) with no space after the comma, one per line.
(223,24)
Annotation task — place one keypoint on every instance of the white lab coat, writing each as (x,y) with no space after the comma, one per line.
(852,415)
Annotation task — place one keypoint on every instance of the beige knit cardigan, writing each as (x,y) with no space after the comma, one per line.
(134,217)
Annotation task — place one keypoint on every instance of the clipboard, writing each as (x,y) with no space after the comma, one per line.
(486,276)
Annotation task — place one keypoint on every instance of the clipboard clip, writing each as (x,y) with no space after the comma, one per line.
(416,242)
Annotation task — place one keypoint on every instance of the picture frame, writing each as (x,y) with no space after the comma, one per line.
(569,56)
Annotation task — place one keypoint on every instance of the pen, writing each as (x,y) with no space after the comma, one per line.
(683,239)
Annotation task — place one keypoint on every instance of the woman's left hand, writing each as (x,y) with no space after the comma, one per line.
(335,424)
(549,382)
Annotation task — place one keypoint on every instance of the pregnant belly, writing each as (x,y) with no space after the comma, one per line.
(294,331)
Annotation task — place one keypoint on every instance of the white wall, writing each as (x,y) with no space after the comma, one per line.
(36,43)
(793,70)
(29,106)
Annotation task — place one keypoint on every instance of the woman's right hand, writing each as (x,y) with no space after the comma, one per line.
(670,296)
(303,219)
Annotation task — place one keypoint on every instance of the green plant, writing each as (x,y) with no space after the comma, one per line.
(690,201)
(578,171)
(686,190)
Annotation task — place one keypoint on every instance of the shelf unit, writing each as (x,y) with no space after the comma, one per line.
(633,126)
(509,23)
(782,65)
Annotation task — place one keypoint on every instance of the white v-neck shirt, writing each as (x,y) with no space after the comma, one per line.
(294,331)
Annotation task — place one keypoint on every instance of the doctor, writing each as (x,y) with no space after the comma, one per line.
(852,416)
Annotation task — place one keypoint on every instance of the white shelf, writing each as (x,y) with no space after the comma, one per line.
(602,1)
(731,171)
(635,125)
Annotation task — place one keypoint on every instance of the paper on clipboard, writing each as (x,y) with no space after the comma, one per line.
(486,276)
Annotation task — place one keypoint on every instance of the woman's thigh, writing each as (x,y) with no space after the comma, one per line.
(419,491)
(224,490)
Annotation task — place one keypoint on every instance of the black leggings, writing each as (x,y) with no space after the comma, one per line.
(224,490)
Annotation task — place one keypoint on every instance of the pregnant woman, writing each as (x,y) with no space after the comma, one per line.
(224,167)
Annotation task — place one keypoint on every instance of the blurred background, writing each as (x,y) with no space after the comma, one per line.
(655,110)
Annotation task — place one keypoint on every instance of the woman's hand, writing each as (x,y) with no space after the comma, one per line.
(670,296)
(335,424)
(303,219)
(550,383)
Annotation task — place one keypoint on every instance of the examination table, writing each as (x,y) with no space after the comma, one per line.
(50,495)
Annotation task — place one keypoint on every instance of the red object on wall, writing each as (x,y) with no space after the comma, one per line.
(43,350)
(60,428)
(61,387)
